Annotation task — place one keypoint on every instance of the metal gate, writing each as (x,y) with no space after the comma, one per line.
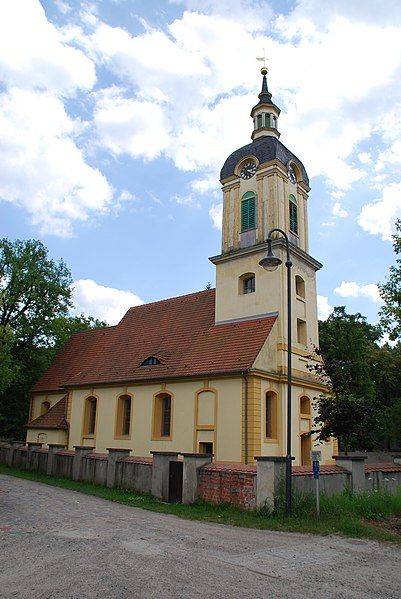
(175,482)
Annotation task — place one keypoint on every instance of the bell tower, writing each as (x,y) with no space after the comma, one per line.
(265,186)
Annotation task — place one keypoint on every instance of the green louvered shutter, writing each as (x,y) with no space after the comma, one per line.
(252,214)
(248,211)
(293,215)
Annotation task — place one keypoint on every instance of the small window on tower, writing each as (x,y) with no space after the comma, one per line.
(260,125)
(249,285)
(267,119)
(248,211)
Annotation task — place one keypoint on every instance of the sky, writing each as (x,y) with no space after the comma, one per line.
(116,117)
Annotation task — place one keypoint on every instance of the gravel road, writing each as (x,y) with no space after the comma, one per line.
(56,543)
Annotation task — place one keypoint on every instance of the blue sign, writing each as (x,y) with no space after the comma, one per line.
(315,469)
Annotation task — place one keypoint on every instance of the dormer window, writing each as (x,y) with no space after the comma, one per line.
(151,361)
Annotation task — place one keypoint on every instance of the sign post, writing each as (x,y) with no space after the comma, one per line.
(316,457)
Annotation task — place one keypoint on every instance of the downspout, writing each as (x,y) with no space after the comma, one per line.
(246,418)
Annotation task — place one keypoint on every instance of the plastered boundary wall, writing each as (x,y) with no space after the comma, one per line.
(246,487)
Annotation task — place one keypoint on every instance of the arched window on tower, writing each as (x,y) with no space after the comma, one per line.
(260,122)
(246,283)
(267,119)
(293,207)
(300,286)
(248,211)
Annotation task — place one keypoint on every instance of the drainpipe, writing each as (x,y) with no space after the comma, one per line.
(246,417)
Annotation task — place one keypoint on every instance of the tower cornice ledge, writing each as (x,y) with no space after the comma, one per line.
(261,248)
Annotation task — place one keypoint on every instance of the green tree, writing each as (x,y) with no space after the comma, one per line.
(390,292)
(350,411)
(35,299)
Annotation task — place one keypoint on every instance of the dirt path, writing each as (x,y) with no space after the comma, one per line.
(56,543)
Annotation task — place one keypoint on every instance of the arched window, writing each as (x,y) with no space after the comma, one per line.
(162,416)
(90,416)
(267,119)
(293,214)
(259,117)
(45,407)
(300,286)
(304,405)
(151,361)
(248,211)
(271,415)
(123,425)
(246,283)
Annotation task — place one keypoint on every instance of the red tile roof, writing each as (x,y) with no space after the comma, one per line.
(180,332)
(384,467)
(308,470)
(55,417)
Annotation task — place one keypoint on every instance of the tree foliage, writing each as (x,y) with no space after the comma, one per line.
(364,379)
(390,292)
(35,299)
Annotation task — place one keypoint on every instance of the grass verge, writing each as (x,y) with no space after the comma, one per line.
(349,515)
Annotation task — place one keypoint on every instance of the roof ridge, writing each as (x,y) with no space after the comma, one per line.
(169,299)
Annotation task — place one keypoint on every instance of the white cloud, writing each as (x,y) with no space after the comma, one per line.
(216,214)
(130,126)
(365,157)
(323,307)
(378,217)
(63,7)
(41,167)
(352,289)
(106,303)
(338,210)
(33,53)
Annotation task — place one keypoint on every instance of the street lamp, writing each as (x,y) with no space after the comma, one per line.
(270,263)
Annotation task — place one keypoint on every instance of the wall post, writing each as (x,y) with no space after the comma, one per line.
(397,458)
(53,449)
(80,452)
(270,480)
(13,446)
(355,465)
(192,463)
(31,448)
(161,473)
(114,455)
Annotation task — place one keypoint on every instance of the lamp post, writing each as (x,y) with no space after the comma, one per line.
(270,263)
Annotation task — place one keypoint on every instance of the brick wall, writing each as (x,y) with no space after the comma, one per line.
(228,483)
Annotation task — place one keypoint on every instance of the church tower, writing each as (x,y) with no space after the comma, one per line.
(266,186)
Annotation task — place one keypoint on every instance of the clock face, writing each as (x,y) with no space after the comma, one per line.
(248,170)
(291,175)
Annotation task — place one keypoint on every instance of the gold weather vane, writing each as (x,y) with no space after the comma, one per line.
(264,69)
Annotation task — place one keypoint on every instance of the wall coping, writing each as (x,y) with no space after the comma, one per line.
(357,458)
(176,453)
(197,455)
(83,447)
(118,449)
(266,458)
(56,445)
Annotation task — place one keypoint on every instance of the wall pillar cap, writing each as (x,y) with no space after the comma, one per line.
(197,455)
(176,453)
(118,449)
(357,458)
(78,447)
(266,458)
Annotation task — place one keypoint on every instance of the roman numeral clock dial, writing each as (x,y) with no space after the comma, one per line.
(248,170)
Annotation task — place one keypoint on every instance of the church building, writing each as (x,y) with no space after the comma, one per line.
(206,372)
